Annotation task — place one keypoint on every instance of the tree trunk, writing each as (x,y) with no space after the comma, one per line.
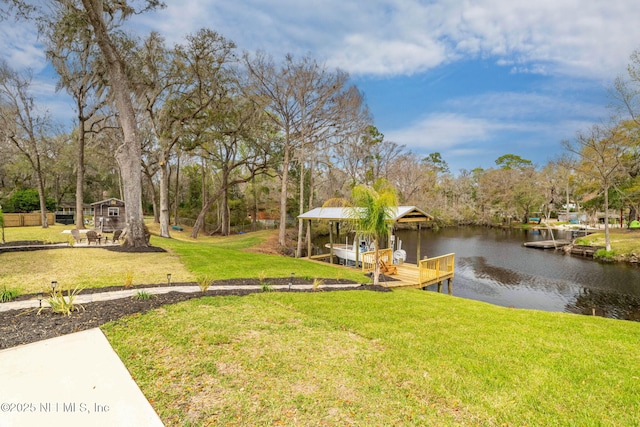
(176,192)
(225,214)
(607,237)
(129,154)
(41,196)
(254,213)
(203,212)
(154,201)
(164,196)
(80,173)
(283,197)
(301,209)
(310,206)
(376,268)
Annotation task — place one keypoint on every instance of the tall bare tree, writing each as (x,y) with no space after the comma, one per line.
(236,140)
(22,125)
(98,14)
(277,85)
(74,56)
(177,87)
(600,151)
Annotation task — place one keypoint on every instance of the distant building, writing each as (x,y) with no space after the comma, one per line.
(573,217)
(109,215)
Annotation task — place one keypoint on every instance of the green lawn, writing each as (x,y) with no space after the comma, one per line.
(406,357)
(186,259)
(363,358)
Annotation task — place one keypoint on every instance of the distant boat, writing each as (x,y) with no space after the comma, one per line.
(347,251)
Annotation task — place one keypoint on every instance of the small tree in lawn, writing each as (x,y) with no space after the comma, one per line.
(372,212)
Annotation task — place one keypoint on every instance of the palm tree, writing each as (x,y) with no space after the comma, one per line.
(372,212)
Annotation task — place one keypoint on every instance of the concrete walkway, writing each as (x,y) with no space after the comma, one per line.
(78,379)
(128,293)
(72,380)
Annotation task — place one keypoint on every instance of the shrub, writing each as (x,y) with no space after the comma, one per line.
(61,304)
(204,282)
(128,279)
(604,255)
(8,294)
(266,286)
(316,284)
(143,295)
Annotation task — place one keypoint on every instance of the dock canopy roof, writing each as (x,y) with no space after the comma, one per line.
(400,214)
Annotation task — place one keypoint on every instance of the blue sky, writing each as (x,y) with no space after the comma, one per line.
(471,79)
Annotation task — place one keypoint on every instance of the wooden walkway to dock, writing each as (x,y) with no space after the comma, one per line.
(431,271)
(408,277)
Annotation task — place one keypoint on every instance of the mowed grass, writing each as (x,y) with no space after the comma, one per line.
(186,259)
(623,241)
(364,358)
(349,358)
(30,272)
(229,258)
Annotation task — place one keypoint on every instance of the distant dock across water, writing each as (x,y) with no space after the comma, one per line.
(548,244)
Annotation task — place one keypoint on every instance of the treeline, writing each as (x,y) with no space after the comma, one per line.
(224,138)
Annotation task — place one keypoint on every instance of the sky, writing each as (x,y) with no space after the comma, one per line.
(470,79)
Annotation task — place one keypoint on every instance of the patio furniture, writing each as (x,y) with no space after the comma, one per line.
(76,235)
(116,236)
(92,236)
(387,269)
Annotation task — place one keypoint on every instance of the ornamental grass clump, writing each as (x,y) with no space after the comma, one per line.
(143,295)
(204,282)
(61,304)
(8,294)
(316,284)
(128,279)
(266,286)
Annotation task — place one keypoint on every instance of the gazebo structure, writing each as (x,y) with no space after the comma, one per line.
(426,272)
(399,215)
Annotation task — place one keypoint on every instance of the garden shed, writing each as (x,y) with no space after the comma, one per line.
(109,215)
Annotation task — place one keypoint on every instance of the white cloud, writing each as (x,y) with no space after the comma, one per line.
(440,131)
(401,37)
(475,130)
(21,48)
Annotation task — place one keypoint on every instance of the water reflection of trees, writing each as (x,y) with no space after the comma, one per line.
(617,306)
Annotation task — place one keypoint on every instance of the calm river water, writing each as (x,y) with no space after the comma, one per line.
(492,265)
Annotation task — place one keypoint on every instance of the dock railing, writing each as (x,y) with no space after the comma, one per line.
(369,259)
(435,270)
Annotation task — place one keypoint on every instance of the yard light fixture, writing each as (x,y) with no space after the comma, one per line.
(40,299)
(54,283)
(169,279)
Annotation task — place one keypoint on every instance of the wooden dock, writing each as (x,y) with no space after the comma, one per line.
(547,244)
(431,271)
(585,251)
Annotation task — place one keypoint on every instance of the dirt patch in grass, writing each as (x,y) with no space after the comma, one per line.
(25,326)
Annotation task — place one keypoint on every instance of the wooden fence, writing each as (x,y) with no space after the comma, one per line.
(369,259)
(435,270)
(26,219)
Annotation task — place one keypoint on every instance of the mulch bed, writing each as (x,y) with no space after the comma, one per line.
(25,326)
